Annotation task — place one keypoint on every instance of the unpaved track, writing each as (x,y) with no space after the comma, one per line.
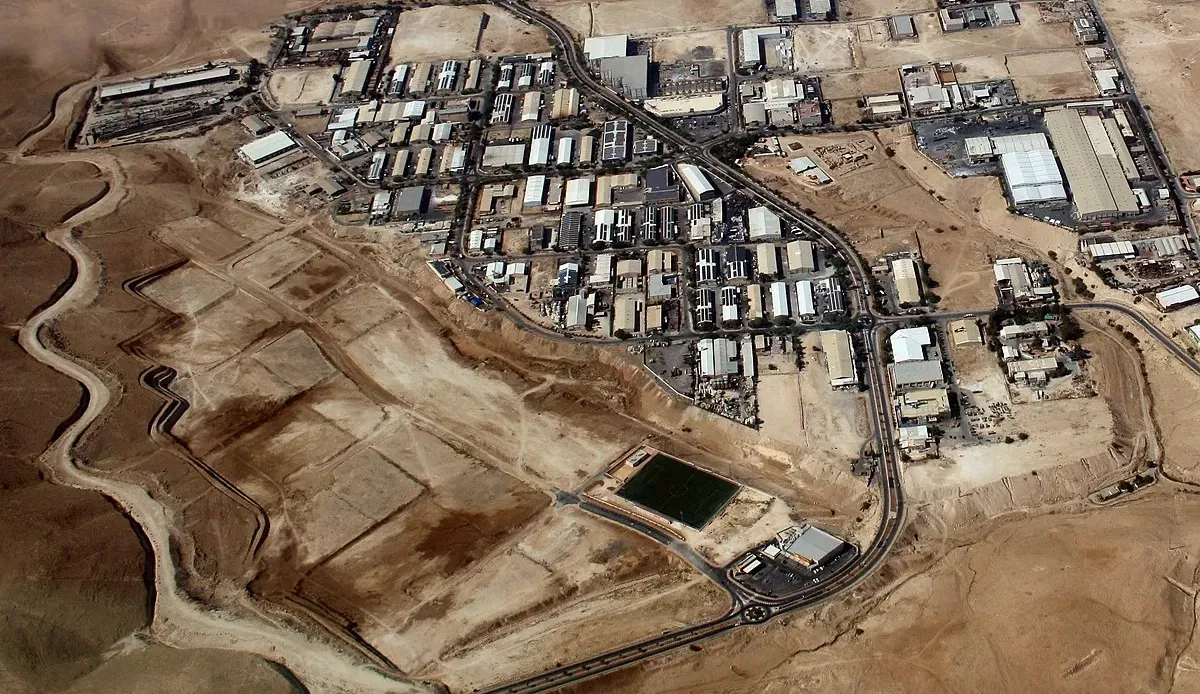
(178,621)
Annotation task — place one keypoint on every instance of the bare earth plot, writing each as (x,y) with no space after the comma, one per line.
(867,9)
(652,17)
(452,31)
(292,87)
(860,58)
(1160,42)
(1061,433)
(709,45)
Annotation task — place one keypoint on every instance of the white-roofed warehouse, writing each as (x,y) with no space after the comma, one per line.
(1033,177)
(264,149)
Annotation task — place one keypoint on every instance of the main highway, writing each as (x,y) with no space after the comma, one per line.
(890,490)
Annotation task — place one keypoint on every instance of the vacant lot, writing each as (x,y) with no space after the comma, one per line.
(860,58)
(450,31)
(294,87)
(699,45)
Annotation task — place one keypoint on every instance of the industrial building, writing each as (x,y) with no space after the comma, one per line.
(531,107)
(410,201)
(566,103)
(1015,282)
(923,405)
(570,231)
(901,27)
(801,256)
(730,304)
(965,332)
(628,75)
(718,357)
(577,313)
(808,546)
(1039,370)
(1177,297)
(696,182)
(579,192)
(627,311)
(614,143)
(908,286)
(535,191)
(1098,184)
(264,149)
(750,48)
(1033,178)
(908,344)
(767,260)
(600,47)
(1085,30)
(502,155)
(763,223)
(839,358)
(708,261)
(539,146)
(662,185)
(737,263)
(916,374)
(706,306)
(354,78)
(806,307)
(780,308)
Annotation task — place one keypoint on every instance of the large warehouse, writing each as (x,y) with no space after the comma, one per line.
(1094,169)
(839,358)
(1033,177)
(264,149)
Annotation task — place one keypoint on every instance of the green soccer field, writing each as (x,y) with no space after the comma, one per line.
(678,490)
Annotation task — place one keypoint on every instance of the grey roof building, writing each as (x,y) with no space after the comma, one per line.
(629,75)
(916,373)
(410,201)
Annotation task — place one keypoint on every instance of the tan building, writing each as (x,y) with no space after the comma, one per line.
(925,405)
(965,332)
(908,286)
(626,311)
(839,358)
(660,261)
(566,103)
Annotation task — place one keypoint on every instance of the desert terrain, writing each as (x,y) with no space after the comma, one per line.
(1152,35)
(372,487)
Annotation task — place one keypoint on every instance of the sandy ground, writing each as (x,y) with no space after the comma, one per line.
(302,85)
(1152,35)
(450,31)
(866,9)
(708,45)
(641,18)
(867,45)
(962,624)
(1060,433)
